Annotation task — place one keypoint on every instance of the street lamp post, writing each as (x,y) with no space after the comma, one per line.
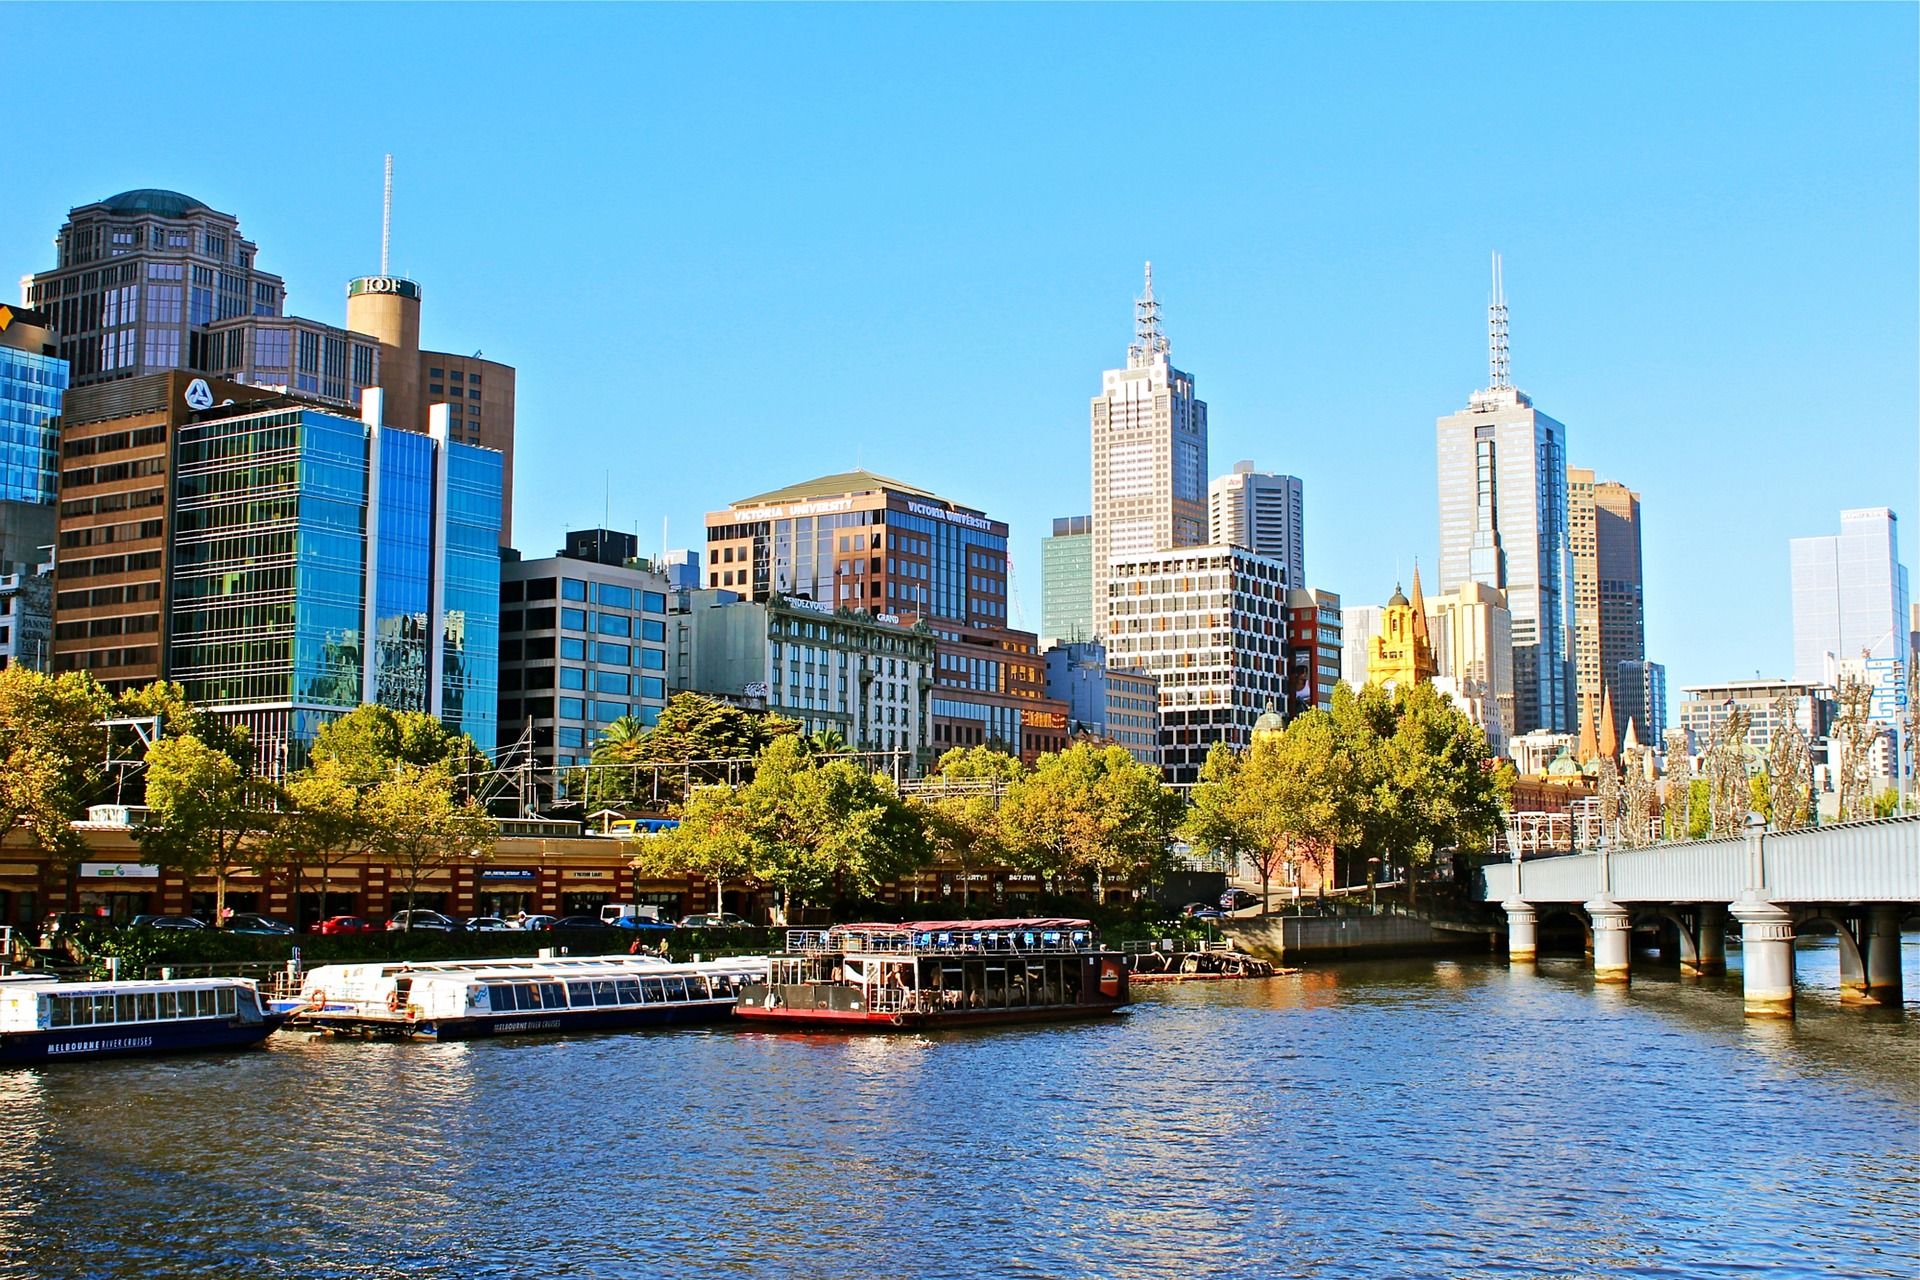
(1373,891)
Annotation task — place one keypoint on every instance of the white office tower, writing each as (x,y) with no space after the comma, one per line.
(1849,596)
(1503,524)
(1149,454)
(1262,512)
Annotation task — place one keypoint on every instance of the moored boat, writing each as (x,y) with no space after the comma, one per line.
(459,1000)
(60,1021)
(938,973)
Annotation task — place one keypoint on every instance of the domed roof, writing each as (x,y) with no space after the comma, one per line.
(1399,598)
(1270,721)
(167,204)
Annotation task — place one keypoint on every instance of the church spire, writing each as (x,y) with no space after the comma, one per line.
(1419,605)
(1148,338)
(1609,740)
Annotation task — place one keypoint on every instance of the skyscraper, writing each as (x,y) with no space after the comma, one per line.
(1149,454)
(1609,615)
(1066,581)
(1849,595)
(33,380)
(1262,512)
(1503,523)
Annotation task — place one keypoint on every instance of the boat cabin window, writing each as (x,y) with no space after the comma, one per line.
(553,995)
(655,992)
(629,991)
(170,1004)
(580,994)
(676,989)
(224,1001)
(204,1002)
(604,993)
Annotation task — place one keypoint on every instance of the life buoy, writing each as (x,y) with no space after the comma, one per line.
(393,1001)
(318,1000)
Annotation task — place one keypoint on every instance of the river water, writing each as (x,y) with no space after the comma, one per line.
(1407,1119)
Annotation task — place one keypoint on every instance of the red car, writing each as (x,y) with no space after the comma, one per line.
(344,924)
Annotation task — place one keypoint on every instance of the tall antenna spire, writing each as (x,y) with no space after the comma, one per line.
(1148,339)
(1499,369)
(386,219)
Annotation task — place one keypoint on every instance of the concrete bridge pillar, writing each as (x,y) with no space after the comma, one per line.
(1523,939)
(1711,940)
(1612,939)
(1881,942)
(1766,950)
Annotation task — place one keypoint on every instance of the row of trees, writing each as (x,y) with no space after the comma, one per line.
(816,827)
(381,784)
(1383,777)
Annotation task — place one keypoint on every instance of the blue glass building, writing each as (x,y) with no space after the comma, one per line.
(32,384)
(299,534)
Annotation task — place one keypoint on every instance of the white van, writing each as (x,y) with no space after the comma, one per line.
(615,912)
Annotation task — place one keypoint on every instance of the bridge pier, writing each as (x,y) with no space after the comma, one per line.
(1523,935)
(1766,949)
(1881,943)
(1710,924)
(1612,940)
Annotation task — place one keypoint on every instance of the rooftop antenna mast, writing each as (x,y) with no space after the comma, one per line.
(1148,338)
(386,219)
(1499,368)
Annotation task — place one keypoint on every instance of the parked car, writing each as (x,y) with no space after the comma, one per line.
(533,924)
(712,920)
(487,924)
(582,922)
(642,923)
(1202,911)
(1238,900)
(264,926)
(621,912)
(168,922)
(423,920)
(343,924)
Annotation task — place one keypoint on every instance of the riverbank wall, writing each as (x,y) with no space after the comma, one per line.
(1306,939)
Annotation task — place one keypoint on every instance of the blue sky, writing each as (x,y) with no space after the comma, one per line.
(732,247)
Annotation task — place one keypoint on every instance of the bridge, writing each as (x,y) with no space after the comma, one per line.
(1859,880)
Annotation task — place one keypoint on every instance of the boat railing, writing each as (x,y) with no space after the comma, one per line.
(941,941)
(1175,946)
(897,1000)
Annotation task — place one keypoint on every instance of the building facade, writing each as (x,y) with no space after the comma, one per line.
(1609,612)
(864,542)
(1359,624)
(1262,512)
(842,671)
(1642,701)
(1105,703)
(1315,643)
(1210,625)
(319,561)
(990,689)
(1850,595)
(140,279)
(1706,707)
(1503,523)
(1066,582)
(583,642)
(26,618)
(33,384)
(1149,454)
(1472,636)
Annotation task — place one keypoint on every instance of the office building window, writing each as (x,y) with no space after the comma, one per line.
(573,678)
(652,630)
(573,619)
(574,649)
(653,602)
(570,736)
(612,596)
(570,708)
(573,589)
(614,624)
(613,655)
(652,687)
(653,659)
(609,711)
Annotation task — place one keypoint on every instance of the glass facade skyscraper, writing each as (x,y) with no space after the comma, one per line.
(274,590)
(1849,596)
(31,386)
(1066,581)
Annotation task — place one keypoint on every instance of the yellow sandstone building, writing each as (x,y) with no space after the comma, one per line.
(1402,653)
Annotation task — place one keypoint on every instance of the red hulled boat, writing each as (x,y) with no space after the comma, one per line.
(937,973)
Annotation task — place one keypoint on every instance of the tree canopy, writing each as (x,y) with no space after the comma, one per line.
(52,753)
(1092,811)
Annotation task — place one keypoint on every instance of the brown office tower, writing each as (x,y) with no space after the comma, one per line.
(1609,612)
(478,393)
(115,521)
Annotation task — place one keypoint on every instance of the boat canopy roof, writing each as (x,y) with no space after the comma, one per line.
(968,926)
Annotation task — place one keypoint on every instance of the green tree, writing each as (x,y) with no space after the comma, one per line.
(1445,797)
(328,823)
(419,825)
(178,718)
(1092,811)
(207,814)
(367,744)
(713,840)
(961,806)
(692,728)
(52,754)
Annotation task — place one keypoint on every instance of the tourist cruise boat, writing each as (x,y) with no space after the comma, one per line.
(466,999)
(938,973)
(59,1021)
